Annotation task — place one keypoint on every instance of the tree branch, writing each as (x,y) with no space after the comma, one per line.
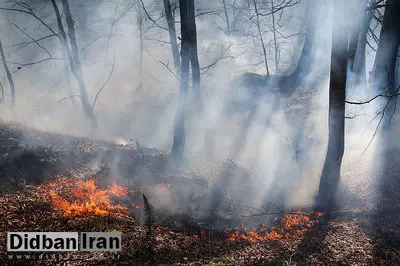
(104,84)
(33,40)
(32,13)
(151,19)
(21,65)
(373,98)
(170,70)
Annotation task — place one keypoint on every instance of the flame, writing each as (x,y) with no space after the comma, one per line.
(88,200)
(291,226)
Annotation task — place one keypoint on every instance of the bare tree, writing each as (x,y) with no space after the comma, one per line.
(172,35)
(358,66)
(75,64)
(358,8)
(260,34)
(337,87)
(305,61)
(9,75)
(228,28)
(66,51)
(276,49)
(194,59)
(139,19)
(383,71)
(178,145)
(188,57)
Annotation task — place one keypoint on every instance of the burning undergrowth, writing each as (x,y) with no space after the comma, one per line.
(74,197)
(83,198)
(289,226)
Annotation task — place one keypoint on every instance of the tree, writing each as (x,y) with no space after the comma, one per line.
(286,82)
(276,48)
(228,28)
(358,8)
(66,51)
(172,35)
(8,74)
(261,36)
(194,59)
(330,176)
(188,56)
(77,68)
(305,61)
(383,71)
(139,19)
(358,65)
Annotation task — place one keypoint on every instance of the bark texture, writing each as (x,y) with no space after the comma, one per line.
(337,87)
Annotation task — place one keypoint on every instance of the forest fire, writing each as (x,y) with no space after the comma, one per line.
(291,226)
(86,199)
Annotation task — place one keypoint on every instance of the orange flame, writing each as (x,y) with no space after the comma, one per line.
(291,226)
(89,200)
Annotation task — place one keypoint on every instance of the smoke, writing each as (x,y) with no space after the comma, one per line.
(281,140)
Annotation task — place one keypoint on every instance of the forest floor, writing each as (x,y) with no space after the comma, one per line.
(33,163)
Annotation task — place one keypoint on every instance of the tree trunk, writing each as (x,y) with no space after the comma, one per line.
(141,45)
(87,107)
(331,172)
(228,28)
(358,8)
(66,51)
(178,145)
(261,36)
(383,71)
(275,40)
(63,37)
(172,35)
(194,59)
(9,76)
(306,57)
(68,79)
(359,67)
